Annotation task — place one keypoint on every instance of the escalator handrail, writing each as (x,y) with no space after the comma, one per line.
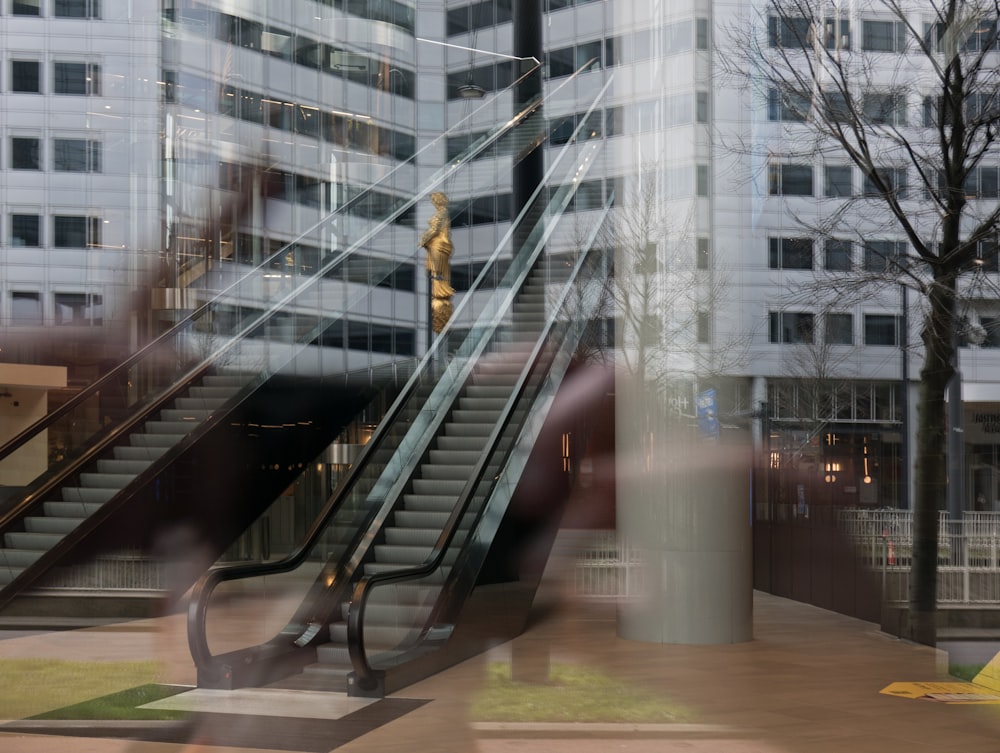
(201,594)
(470,153)
(365,675)
(19,510)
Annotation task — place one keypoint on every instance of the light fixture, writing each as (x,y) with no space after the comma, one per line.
(471,91)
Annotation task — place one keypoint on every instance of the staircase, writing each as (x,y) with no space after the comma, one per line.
(108,476)
(397,615)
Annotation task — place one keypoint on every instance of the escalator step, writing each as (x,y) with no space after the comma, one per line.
(491,392)
(7,574)
(77,494)
(165,441)
(19,558)
(468,430)
(118,466)
(474,416)
(200,403)
(429,502)
(464,458)
(71,509)
(139,453)
(450,472)
(27,540)
(178,428)
(447,444)
(425,537)
(106,480)
(185,415)
(495,404)
(440,487)
(45,524)
(421,519)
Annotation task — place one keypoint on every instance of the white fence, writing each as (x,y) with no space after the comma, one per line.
(968,553)
(968,557)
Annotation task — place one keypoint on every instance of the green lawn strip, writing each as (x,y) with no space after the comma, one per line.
(35,686)
(965,671)
(121,705)
(573,694)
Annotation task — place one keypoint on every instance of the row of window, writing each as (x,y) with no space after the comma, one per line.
(67,155)
(796,179)
(875,107)
(343,333)
(878,35)
(331,126)
(837,328)
(67,77)
(67,231)
(68,309)
(59,8)
(486,13)
(598,53)
(310,191)
(300,49)
(878,255)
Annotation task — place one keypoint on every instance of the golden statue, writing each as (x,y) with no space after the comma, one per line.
(437,241)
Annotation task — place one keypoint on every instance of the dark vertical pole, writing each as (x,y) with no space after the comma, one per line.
(529,171)
(904,445)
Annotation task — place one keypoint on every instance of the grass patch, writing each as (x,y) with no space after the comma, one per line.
(965,671)
(121,705)
(35,686)
(573,694)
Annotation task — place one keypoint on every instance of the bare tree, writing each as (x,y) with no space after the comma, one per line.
(907,92)
(665,293)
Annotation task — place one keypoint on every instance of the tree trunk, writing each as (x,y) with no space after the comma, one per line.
(931,471)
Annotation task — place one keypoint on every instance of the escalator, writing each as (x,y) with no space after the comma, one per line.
(226,408)
(413,563)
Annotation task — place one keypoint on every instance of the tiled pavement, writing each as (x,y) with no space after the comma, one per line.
(808,683)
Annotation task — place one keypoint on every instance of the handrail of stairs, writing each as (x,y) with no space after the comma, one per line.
(341,574)
(160,349)
(366,678)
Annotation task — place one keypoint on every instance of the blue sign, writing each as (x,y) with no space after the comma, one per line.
(708,414)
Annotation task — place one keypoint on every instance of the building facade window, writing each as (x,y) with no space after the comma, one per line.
(25,153)
(25,308)
(78,309)
(884,255)
(790,253)
(703,254)
(77,78)
(25,76)
(24,230)
(790,327)
(838,255)
(702,180)
(983,183)
(883,36)
(838,329)
(881,329)
(786,179)
(892,178)
(704,327)
(74,231)
(789,31)
(885,108)
(783,104)
(76,8)
(26,7)
(76,155)
(838,181)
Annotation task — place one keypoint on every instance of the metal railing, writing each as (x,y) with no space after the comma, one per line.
(968,553)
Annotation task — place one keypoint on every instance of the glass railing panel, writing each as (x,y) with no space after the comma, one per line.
(394,628)
(366,503)
(257,324)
